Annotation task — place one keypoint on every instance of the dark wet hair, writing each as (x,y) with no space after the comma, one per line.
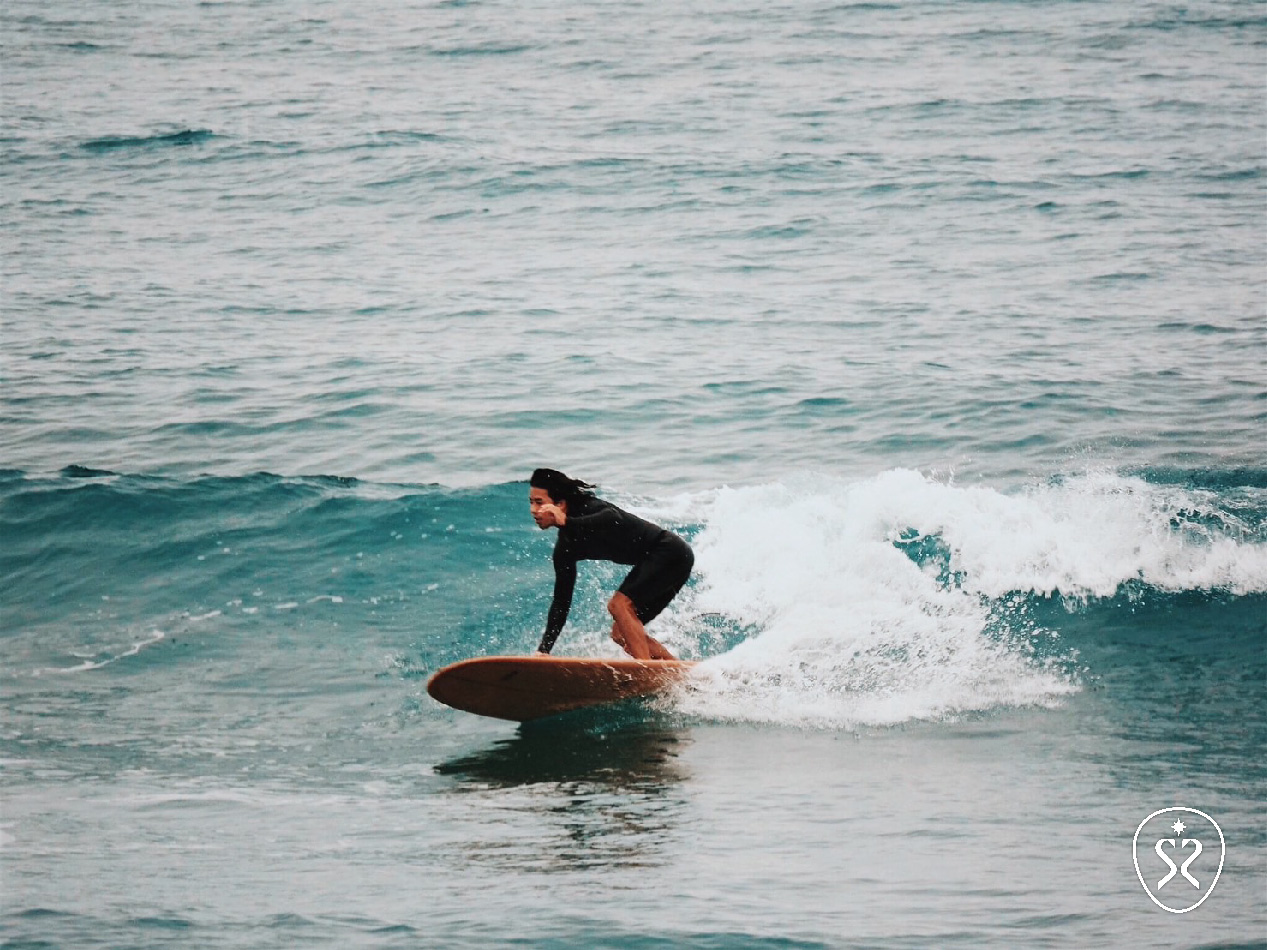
(559,487)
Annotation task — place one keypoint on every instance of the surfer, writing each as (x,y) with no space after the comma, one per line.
(591,529)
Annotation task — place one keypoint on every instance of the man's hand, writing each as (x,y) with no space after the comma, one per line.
(552,516)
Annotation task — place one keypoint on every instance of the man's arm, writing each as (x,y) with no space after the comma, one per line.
(605,517)
(564,585)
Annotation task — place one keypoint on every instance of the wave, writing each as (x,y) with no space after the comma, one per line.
(159,140)
(816,601)
(903,597)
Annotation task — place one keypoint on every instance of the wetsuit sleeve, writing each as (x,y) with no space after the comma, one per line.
(605,517)
(564,584)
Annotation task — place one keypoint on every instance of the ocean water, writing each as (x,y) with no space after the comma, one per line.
(939,329)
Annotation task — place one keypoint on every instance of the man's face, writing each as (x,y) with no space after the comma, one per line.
(538,498)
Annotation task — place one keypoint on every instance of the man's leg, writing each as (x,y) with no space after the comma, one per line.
(629,632)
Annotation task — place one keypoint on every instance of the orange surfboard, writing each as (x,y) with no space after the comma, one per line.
(522,688)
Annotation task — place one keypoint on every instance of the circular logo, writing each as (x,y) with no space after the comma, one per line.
(1174,850)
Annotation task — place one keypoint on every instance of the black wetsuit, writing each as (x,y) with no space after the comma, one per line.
(599,531)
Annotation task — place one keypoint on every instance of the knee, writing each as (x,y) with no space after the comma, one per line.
(619,604)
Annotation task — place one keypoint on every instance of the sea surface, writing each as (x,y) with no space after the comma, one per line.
(939,329)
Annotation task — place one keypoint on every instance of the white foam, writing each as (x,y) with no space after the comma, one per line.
(95,664)
(1083,537)
(850,630)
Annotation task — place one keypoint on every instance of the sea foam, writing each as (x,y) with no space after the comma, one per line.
(903,597)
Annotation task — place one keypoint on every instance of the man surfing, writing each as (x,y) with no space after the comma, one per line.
(591,529)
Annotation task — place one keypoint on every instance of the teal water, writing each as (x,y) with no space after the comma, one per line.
(938,329)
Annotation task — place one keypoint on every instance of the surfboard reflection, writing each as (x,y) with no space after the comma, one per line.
(571,795)
(592,749)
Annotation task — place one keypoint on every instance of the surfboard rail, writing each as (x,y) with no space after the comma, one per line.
(523,688)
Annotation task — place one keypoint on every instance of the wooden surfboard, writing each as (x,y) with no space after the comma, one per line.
(522,688)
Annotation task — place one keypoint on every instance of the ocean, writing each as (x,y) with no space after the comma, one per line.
(939,329)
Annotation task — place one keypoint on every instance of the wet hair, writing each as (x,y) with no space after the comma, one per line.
(559,487)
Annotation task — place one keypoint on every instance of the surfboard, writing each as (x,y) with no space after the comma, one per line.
(523,688)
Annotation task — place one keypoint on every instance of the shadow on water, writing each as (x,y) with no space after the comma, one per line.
(589,790)
(615,748)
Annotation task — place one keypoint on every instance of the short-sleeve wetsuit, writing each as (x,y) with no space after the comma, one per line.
(597,530)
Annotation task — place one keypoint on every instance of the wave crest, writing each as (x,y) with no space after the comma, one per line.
(903,597)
